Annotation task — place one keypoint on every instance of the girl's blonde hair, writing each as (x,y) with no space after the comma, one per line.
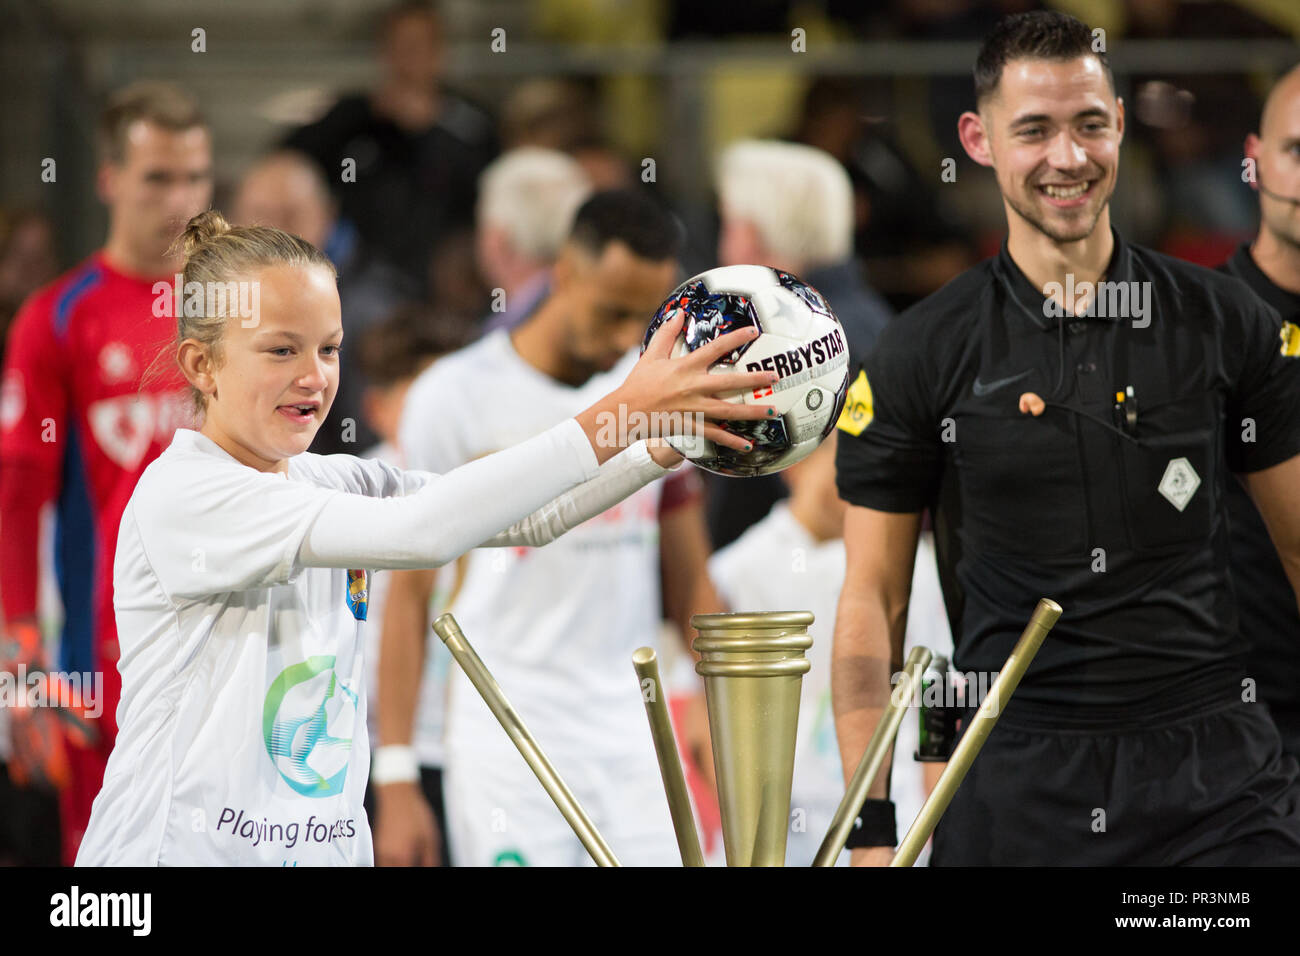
(217,253)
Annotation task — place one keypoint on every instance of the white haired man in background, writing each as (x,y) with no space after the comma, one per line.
(789,206)
(527,198)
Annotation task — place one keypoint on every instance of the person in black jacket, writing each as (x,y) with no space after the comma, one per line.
(1266,605)
(404,159)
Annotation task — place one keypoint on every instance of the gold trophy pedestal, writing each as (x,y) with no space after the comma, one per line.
(753,667)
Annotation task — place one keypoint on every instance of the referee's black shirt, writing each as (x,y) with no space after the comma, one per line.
(1035,507)
(1266,603)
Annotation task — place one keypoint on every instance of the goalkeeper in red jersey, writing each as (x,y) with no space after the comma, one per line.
(79,421)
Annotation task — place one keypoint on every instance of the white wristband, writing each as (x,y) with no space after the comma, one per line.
(394,763)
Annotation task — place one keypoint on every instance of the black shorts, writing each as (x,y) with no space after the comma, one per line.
(1209,790)
(431,784)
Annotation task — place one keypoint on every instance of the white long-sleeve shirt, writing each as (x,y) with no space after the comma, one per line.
(242,718)
(556,626)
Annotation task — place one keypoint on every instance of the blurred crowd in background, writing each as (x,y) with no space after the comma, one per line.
(422,135)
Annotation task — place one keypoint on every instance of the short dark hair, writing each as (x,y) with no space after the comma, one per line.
(628,216)
(400,345)
(1040,35)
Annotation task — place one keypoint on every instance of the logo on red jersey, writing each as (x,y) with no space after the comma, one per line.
(125,426)
(13,399)
(116,363)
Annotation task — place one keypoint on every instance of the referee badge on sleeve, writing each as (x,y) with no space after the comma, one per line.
(1290,336)
(859,407)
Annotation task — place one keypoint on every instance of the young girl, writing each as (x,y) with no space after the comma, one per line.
(243,562)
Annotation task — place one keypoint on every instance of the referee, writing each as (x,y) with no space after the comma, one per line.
(1072,446)
(1271,267)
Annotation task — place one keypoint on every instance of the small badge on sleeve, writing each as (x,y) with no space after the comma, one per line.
(358,593)
(859,407)
(1290,336)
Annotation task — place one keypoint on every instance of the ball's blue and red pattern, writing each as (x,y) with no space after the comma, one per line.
(708,315)
(803,290)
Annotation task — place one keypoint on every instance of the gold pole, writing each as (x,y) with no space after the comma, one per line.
(753,667)
(872,758)
(1044,617)
(670,764)
(447,629)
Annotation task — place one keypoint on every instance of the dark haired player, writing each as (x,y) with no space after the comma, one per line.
(1074,450)
(1270,265)
(556,625)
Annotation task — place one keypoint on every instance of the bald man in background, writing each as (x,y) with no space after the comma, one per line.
(1270,265)
(286,190)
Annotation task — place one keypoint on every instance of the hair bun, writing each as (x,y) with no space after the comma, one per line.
(203,227)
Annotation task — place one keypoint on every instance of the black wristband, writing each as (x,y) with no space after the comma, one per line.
(874,826)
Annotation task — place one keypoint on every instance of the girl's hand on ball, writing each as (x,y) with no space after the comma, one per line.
(673,391)
(661,383)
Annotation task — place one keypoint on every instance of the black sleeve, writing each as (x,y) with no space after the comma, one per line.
(864,320)
(889,455)
(1265,390)
(325,139)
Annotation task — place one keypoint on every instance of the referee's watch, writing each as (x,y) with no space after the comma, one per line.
(874,826)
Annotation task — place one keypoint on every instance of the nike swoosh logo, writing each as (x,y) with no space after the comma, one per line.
(984,388)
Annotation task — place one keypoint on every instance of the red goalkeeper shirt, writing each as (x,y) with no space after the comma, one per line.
(78,427)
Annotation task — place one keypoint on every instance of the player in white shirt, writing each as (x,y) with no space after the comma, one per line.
(393,351)
(240,580)
(794,560)
(557,626)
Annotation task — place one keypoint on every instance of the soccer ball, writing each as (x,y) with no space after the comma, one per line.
(801,340)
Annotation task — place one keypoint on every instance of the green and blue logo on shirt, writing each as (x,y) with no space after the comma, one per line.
(307,723)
